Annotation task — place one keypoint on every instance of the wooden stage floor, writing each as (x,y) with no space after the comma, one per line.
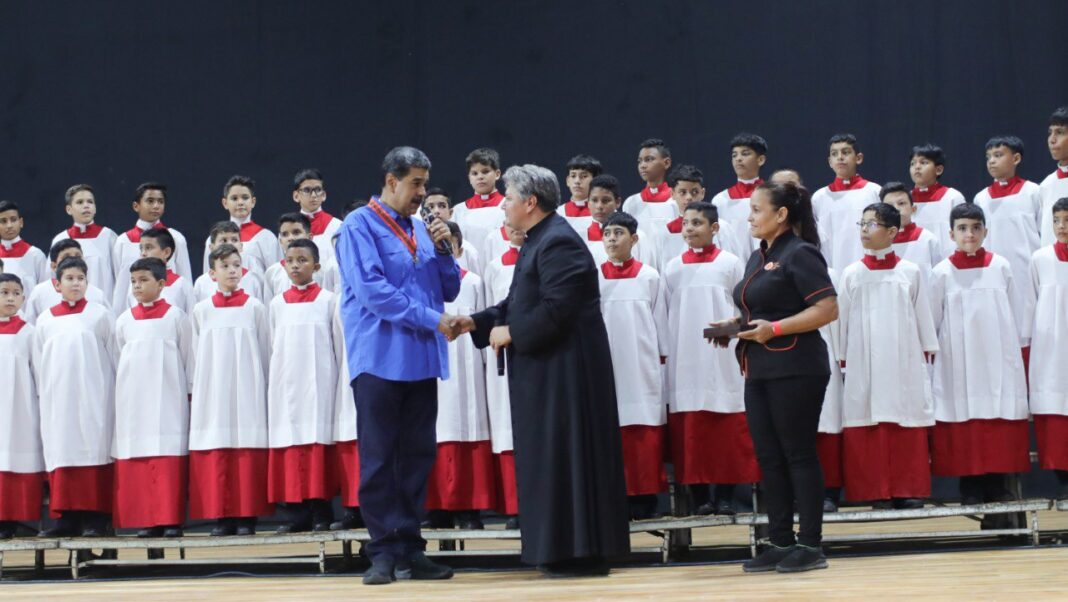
(983,572)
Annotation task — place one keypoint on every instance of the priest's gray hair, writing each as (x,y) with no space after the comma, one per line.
(532,180)
(402,160)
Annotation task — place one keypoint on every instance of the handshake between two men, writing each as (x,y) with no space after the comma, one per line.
(454,326)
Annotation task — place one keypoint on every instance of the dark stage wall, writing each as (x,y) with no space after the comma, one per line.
(113,93)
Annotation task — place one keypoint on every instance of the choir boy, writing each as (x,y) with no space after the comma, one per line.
(228,435)
(229,233)
(839,205)
(688,186)
(149,203)
(291,226)
(829,431)
(886,334)
(22,465)
(482,213)
(1055,186)
(75,358)
(635,315)
(309,191)
(438,205)
(46,294)
(580,170)
(913,242)
(710,441)
(152,387)
(20,257)
(980,391)
(96,240)
(650,206)
(932,200)
(346,444)
(749,152)
(259,247)
(604,202)
(178,292)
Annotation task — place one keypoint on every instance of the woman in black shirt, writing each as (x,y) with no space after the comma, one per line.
(785,296)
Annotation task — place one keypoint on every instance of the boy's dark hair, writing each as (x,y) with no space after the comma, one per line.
(607,182)
(454,230)
(223,227)
(154,265)
(966,211)
(791,170)
(624,219)
(658,144)
(305,243)
(931,152)
(73,190)
(10,206)
(63,245)
(12,278)
(245,181)
(438,192)
(222,252)
(886,214)
(145,187)
(352,205)
(708,210)
(1059,116)
(846,137)
(484,156)
(71,263)
(685,173)
(295,218)
(163,237)
(1011,142)
(1060,204)
(586,163)
(307,174)
(751,141)
(891,187)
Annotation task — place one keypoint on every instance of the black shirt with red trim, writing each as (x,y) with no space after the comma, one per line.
(779,282)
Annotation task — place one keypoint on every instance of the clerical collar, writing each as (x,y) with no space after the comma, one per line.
(303,287)
(511,246)
(620,264)
(654,189)
(709,248)
(83,227)
(10,243)
(72,303)
(3,319)
(749,182)
(316,212)
(142,224)
(241,221)
(579,203)
(149,304)
(1063,168)
(880,253)
(485,197)
(1002,182)
(227,294)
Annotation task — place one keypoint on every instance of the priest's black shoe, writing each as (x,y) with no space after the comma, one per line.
(7,529)
(803,558)
(151,532)
(512,522)
(575,568)
(768,559)
(65,526)
(246,526)
(907,503)
(351,520)
(173,531)
(379,573)
(224,526)
(419,567)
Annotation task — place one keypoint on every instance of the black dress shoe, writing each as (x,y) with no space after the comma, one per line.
(768,559)
(575,568)
(420,567)
(908,503)
(512,522)
(245,526)
(224,527)
(970,500)
(439,519)
(724,508)
(351,520)
(320,527)
(882,505)
(380,572)
(151,532)
(803,558)
(706,509)
(65,526)
(173,532)
(829,505)
(7,529)
(469,521)
(300,527)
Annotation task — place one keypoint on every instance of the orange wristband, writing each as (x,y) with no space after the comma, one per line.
(776,328)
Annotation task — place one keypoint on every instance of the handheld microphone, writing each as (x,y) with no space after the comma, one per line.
(443,246)
(500,352)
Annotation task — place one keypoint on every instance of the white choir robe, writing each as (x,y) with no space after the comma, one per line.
(470,259)
(497,280)
(127,250)
(74,353)
(709,435)
(178,292)
(346,449)
(838,207)
(259,247)
(251,282)
(305,348)
(477,217)
(22,465)
(323,229)
(979,384)
(464,475)
(829,432)
(228,418)
(652,207)
(920,246)
(733,206)
(669,243)
(886,332)
(646,252)
(331,276)
(1013,220)
(152,387)
(44,296)
(276,280)
(26,261)
(931,207)
(97,242)
(1049,355)
(635,315)
(1053,187)
(577,214)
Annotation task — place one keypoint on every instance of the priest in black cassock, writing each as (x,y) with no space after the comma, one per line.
(568,456)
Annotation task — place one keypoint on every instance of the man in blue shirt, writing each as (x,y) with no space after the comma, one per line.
(395,281)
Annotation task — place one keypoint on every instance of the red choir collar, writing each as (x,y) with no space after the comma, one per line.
(250,229)
(981,259)
(12,325)
(595,232)
(504,233)
(1061,251)
(15,249)
(481,201)
(855,183)
(463,273)
(65,308)
(134,234)
(1062,171)
(171,277)
(319,221)
(675,225)
(629,269)
(998,190)
(743,190)
(510,256)
(932,193)
(234,299)
(888,261)
(910,233)
(705,255)
(152,311)
(307,294)
(656,195)
(573,208)
(92,230)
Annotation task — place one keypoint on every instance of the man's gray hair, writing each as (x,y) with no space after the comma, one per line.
(403,159)
(532,180)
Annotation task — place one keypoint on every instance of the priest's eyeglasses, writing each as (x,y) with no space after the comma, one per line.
(317,191)
(870,225)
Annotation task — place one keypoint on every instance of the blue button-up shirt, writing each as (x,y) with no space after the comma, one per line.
(390,306)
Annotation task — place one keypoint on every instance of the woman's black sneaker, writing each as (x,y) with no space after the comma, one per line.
(768,559)
(802,559)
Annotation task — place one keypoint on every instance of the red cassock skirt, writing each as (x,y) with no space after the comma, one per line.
(644,450)
(712,447)
(347,464)
(301,472)
(507,496)
(1051,431)
(228,483)
(829,449)
(20,495)
(884,461)
(150,492)
(464,477)
(87,488)
(976,447)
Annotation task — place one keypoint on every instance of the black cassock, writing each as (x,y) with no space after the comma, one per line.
(568,454)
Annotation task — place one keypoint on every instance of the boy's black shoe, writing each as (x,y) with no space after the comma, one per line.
(882,505)
(829,505)
(469,521)
(907,503)
(512,522)
(67,525)
(224,527)
(724,507)
(766,560)
(420,567)
(351,520)
(150,532)
(173,531)
(803,558)
(7,529)
(245,526)
(95,524)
